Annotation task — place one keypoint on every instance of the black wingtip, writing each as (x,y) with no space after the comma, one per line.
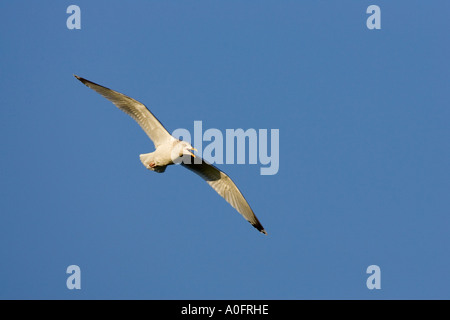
(260,228)
(80,78)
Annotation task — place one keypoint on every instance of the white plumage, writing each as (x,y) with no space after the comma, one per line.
(169,150)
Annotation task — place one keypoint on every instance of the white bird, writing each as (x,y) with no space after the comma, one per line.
(169,150)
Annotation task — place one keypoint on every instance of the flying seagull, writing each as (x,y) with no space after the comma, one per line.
(169,150)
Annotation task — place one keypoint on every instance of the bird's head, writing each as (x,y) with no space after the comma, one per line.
(182,148)
(187,149)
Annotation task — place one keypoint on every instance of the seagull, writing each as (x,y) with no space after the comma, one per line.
(169,150)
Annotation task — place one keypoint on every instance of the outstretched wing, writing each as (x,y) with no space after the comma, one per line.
(225,187)
(139,112)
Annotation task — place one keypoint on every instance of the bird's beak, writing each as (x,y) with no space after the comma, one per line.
(192,153)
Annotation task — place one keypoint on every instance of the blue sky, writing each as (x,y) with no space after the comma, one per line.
(364,150)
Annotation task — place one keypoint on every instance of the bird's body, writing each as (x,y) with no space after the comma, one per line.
(159,159)
(169,150)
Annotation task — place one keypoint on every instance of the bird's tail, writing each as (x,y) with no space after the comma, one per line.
(147,160)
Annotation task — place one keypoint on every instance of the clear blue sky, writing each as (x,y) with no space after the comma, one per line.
(364,173)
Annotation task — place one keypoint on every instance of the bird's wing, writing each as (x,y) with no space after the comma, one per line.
(225,187)
(139,112)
